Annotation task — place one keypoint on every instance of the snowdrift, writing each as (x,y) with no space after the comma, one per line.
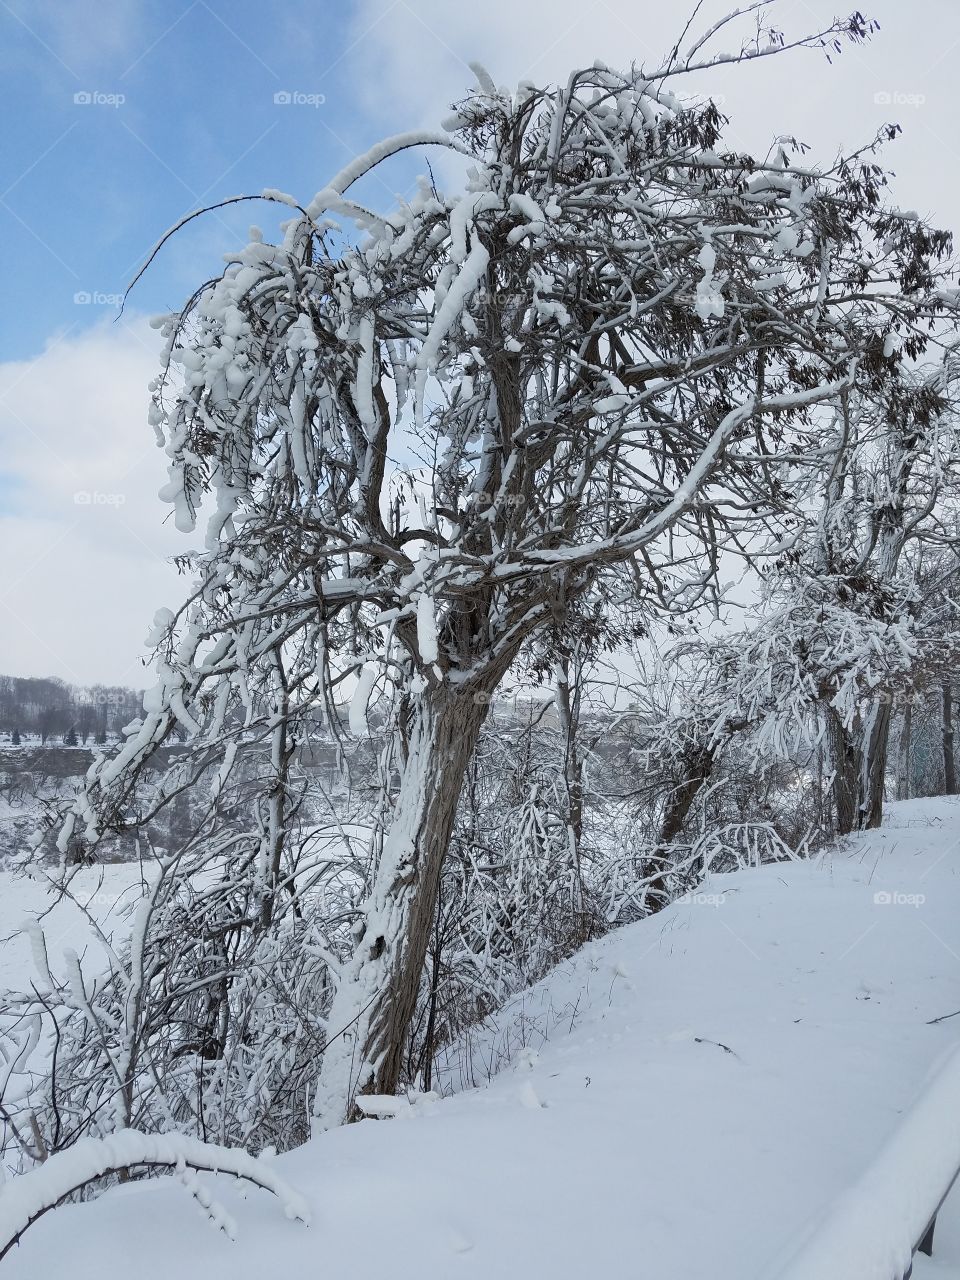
(689,1097)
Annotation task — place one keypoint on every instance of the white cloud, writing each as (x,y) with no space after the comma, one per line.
(415,53)
(410,62)
(84,36)
(86,550)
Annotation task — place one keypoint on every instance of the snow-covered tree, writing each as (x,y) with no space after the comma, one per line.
(424,434)
(849,621)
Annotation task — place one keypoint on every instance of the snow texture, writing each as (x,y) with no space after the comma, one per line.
(32,1194)
(872,1229)
(427,629)
(751,1086)
(357,717)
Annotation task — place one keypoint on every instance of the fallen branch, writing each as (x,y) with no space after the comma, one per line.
(717,1045)
(943,1017)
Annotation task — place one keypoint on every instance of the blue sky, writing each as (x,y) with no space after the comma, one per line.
(180,111)
(182,114)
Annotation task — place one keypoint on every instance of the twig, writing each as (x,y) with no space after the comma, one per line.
(725,1047)
(943,1017)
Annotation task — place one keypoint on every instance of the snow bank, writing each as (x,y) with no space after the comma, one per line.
(681,1099)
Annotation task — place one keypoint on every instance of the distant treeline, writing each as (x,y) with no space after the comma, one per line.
(49,708)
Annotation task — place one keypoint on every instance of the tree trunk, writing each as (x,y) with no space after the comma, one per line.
(377,989)
(698,767)
(843,760)
(431,1032)
(873,770)
(273,825)
(949,766)
(568,708)
(904,765)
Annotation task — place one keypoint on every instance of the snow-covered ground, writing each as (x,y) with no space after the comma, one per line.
(682,1099)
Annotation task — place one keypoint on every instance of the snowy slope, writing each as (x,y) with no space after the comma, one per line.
(712,1079)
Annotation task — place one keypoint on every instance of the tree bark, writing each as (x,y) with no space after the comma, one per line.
(698,767)
(949,765)
(904,778)
(377,989)
(568,708)
(873,770)
(843,759)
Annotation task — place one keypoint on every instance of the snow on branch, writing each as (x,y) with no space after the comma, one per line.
(370,159)
(33,1194)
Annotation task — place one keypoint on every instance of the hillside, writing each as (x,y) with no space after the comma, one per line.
(681,1099)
